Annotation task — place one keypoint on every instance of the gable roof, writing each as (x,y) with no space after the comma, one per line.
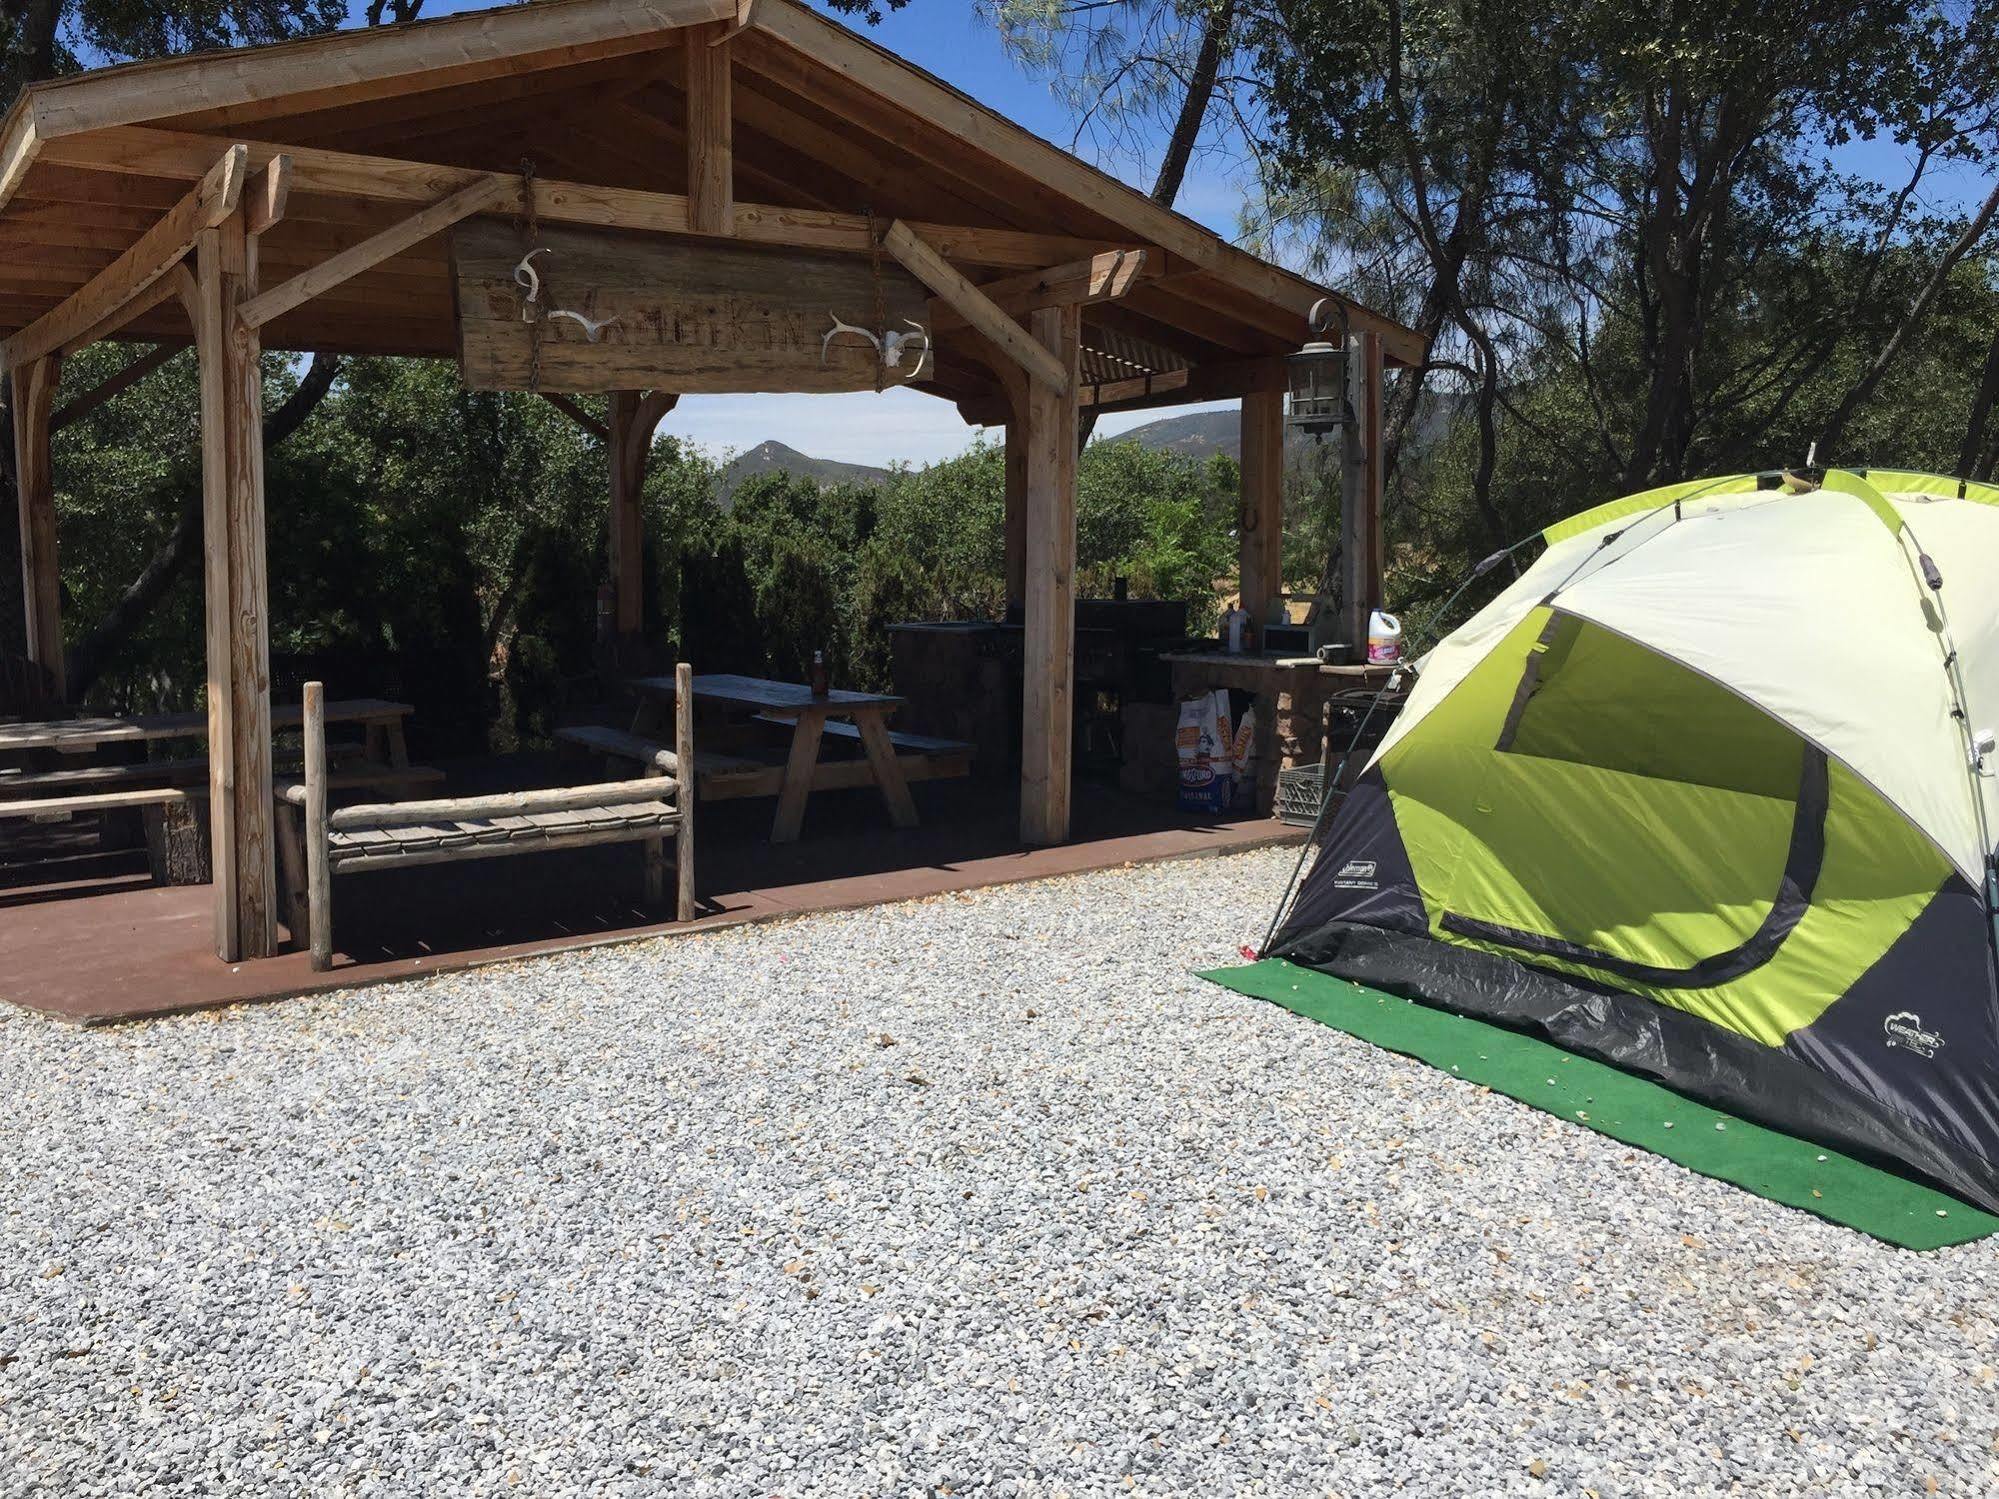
(825,123)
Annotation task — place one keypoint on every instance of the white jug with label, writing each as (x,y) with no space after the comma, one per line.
(1384,639)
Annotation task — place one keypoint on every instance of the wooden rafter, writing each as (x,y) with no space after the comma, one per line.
(953,115)
(367,63)
(157,251)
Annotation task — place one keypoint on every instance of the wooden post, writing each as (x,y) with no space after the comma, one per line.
(683,760)
(626,522)
(237,596)
(711,192)
(41,580)
(1048,704)
(1260,517)
(1016,511)
(633,420)
(1360,489)
(318,884)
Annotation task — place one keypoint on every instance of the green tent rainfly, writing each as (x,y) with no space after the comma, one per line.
(1708,793)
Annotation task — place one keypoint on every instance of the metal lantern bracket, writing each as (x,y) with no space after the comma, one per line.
(1317,375)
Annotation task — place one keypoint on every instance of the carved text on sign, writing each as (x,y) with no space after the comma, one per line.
(685,316)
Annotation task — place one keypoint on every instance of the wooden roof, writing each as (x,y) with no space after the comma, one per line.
(827,128)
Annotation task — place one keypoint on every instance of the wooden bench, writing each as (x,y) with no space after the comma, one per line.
(393,835)
(906,746)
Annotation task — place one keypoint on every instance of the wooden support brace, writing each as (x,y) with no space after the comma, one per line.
(634,419)
(155,253)
(488,193)
(977,309)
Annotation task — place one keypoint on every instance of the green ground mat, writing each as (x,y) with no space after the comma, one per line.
(1626,1107)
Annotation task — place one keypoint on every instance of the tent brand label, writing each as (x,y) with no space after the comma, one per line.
(1356,874)
(1904,1028)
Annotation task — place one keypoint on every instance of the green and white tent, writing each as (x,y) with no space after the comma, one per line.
(1708,793)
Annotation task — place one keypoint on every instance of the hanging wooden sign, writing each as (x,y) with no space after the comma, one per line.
(619,311)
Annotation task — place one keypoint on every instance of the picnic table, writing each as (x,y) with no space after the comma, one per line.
(162,788)
(794,703)
(382,721)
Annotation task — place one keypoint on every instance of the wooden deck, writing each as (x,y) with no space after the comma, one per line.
(92,940)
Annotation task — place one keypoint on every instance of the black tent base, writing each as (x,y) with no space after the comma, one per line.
(1688,1055)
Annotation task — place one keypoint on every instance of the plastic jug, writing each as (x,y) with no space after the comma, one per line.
(1384,639)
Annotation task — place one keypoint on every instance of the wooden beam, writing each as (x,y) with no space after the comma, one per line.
(711,171)
(18,145)
(41,578)
(128,376)
(264,205)
(953,115)
(236,597)
(478,197)
(144,153)
(575,412)
(937,273)
(1049,643)
(361,59)
(1096,278)
(156,252)
(1260,516)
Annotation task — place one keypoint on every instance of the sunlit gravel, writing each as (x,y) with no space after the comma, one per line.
(978,1195)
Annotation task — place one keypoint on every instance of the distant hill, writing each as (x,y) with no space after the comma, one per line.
(1200,435)
(1196,435)
(775,457)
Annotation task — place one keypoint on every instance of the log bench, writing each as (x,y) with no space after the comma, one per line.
(392,835)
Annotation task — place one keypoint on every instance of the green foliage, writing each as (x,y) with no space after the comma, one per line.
(447,547)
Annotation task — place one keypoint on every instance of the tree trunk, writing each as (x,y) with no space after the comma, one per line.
(1835,427)
(1194,108)
(123,619)
(1981,412)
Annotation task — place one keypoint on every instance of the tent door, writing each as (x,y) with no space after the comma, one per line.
(1805,858)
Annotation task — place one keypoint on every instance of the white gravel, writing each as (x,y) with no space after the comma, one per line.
(978,1195)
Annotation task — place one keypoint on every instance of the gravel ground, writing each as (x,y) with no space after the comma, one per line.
(978,1195)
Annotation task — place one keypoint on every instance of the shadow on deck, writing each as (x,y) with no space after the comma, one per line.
(88,937)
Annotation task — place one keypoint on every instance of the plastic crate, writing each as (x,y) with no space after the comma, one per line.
(1300,794)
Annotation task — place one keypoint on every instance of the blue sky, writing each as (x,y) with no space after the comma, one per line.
(951,39)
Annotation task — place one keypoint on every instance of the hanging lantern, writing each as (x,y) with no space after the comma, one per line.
(1318,375)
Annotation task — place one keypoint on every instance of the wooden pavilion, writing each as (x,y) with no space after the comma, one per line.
(312,196)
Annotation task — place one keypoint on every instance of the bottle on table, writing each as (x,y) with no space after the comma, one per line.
(821,685)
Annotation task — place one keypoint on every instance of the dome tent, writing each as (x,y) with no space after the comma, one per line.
(1707,793)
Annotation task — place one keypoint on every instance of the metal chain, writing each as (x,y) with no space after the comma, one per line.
(881,301)
(531,231)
